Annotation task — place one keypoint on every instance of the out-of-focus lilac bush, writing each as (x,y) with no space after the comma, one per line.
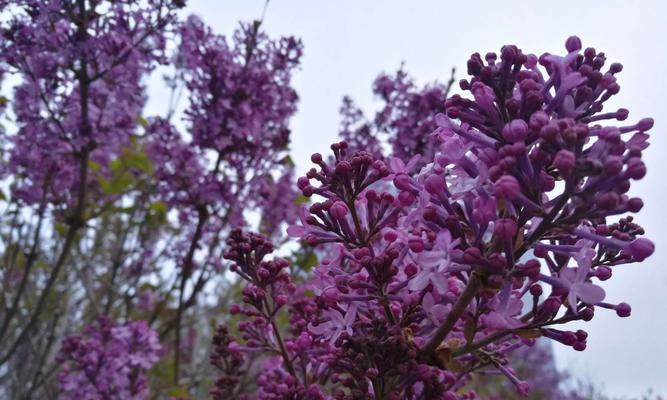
(443,246)
(115,216)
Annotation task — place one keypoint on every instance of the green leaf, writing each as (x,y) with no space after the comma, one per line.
(179,393)
(93,166)
(160,207)
(142,121)
(301,200)
(287,160)
(61,229)
(117,185)
(310,261)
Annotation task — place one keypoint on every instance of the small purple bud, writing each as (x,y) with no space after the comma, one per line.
(403,182)
(316,158)
(536,290)
(507,187)
(623,310)
(390,235)
(303,182)
(613,165)
(603,273)
(472,255)
(304,341)
(573,43)
(550,305)
(523,388)
(516,130)
(505,228)
(635,204)
(406,199)
(531,268)
(416,245)
(641,248)
(435,184)
(538,120)
(564,161)
(635,168)
(281,300)
(338,210)
(586,314)
(645,124)
(579,346)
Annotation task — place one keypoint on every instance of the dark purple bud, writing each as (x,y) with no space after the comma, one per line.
(343,167)
(645,124)
(435,184)
(623,310)
(390,235)
(515,131)
(635,204)
(603,273)
(505,228)
(507,187)
(536,290)
(281,300)
(472,255)
(531,268)
(406,198)
(538,120)
(641,248)
(303,182)
(316,158)
(636,169)
(579,346)
(550,305)
(586,314)
(573,43)
(339,210)
(613,165)
(564,161)
(416,244)
(403,182)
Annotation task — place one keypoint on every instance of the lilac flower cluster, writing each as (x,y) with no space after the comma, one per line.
(289,369)
(108,361)
(406,120)
(240,103)
(435,273)
(116,213)
(67,58)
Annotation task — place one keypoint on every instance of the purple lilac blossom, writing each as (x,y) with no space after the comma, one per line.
(108,361)
(441,261)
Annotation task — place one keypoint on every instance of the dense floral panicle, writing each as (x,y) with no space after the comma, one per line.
(63,64)
(406,121)
(240,103)
(109,360)
(268,290)
(241,98)
(229,360)
(504,234)
(357,131)
(408,116)
(278,202)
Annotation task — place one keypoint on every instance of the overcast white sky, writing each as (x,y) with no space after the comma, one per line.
(348,42)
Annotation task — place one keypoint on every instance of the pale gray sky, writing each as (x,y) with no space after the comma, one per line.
(348,42)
